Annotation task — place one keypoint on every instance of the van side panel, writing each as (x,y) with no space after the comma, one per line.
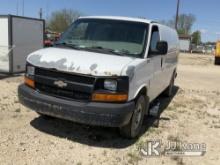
(169,35)
(141,71)
(170,60)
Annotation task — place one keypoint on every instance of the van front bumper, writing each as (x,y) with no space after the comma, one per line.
(92,113)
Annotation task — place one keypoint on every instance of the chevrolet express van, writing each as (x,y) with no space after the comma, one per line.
(104,71)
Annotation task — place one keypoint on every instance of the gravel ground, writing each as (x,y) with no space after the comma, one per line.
(192,115)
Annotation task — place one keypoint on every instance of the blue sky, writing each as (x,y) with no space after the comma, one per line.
(206,11)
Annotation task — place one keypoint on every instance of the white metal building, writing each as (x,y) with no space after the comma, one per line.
(185,43)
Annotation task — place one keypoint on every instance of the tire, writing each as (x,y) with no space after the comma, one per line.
(217,60)
(169,90)
(133,128)
(46,117)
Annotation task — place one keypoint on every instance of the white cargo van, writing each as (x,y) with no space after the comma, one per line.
(103,71)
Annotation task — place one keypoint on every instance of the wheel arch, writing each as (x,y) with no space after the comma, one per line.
(143,90)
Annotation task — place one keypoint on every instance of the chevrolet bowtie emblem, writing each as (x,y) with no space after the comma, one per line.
(60,84)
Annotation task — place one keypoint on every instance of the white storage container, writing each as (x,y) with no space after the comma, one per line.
(19,36)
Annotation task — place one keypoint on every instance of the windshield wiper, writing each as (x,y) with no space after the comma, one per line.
(95,48)
(124,52)
(107,50)
(65,44)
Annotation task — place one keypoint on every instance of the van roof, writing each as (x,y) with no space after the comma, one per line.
(143,20)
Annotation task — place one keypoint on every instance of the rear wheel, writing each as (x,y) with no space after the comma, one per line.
(169,90)
(133,128)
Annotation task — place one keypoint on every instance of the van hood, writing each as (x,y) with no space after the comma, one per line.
(78,61)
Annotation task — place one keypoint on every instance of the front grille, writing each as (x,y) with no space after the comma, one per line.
(78,87)
(74,95)
(63,75)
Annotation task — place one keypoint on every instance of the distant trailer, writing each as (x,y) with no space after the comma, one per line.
(19,36)
(185,42)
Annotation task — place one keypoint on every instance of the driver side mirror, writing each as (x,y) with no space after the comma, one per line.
(162,47)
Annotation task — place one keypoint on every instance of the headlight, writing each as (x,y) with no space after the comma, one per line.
(30,70)
(110,85)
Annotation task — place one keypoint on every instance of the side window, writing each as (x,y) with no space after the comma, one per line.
(155,38)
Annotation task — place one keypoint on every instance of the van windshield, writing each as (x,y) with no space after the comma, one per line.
(107,36)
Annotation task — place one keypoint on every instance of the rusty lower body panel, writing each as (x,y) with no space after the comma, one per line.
(91,113)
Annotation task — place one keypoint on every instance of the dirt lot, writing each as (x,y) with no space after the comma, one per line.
(192,115)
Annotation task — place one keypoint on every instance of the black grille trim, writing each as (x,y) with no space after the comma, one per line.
(64,75)
(63,93)
(73,86)
(78,87)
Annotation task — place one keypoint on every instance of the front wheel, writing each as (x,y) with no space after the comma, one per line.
(133,128)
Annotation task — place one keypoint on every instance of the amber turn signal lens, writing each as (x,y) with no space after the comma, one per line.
(105,97)
(29,82)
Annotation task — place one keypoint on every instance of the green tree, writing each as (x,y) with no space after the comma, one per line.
(196,37)
(184,25)
(62,19)
(180,31)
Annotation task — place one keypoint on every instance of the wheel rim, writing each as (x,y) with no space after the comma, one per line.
(137,117)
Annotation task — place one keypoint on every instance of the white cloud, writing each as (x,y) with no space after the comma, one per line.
(217,33)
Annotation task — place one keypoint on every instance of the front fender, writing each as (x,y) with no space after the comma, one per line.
(139,89)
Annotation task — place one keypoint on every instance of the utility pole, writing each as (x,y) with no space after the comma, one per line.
(40,13)
(177,14)
(23,8)
(17,8)
(47,9)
